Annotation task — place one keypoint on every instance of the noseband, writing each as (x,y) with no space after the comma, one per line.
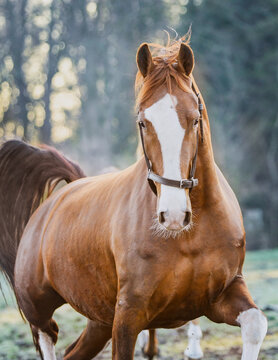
(183,183)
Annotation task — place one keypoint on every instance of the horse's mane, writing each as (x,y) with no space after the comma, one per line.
(165,70)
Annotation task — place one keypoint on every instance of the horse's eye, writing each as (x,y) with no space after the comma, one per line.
(142,124)
(195,122)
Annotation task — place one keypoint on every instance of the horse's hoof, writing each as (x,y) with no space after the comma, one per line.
(150,356)
(193,354)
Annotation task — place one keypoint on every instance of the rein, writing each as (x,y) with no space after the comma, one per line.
(183,183)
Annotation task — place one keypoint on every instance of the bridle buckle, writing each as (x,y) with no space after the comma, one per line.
(194,182)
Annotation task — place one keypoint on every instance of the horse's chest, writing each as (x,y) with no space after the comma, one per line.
(190,285)
(204,280)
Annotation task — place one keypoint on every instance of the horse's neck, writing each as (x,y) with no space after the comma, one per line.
(209,187)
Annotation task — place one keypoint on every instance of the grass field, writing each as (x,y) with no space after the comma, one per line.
(219,341)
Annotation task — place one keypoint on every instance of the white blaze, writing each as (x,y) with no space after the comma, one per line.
(165,121)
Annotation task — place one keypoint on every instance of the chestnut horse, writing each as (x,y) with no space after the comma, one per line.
(128,256)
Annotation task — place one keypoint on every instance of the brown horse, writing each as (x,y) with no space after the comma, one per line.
(125,258)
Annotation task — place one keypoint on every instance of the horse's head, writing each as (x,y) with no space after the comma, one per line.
(168,115)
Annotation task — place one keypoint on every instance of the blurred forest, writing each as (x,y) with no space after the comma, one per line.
(67,70)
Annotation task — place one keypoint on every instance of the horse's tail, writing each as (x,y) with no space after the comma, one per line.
(28,175)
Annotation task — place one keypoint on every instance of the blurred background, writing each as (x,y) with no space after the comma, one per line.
(67,70)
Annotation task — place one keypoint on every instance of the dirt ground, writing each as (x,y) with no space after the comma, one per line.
(219,341)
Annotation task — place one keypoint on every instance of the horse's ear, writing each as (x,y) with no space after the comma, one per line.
(186,59)
(144,59)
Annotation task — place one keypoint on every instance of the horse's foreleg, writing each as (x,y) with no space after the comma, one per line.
(90,342)
(194,333)
(129,321)
(236,307)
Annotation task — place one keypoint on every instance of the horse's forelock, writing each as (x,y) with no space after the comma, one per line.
(165,70)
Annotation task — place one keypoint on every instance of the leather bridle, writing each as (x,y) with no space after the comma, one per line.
(183,183)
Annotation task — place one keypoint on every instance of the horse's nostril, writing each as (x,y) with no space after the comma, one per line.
(161,217)
(187,218)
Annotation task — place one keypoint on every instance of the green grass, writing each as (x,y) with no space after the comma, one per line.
(220,341)
(261,273)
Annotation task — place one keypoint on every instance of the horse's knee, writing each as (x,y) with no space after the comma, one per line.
(129,321)
(253,325)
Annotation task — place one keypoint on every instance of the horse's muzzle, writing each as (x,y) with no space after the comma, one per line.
(175,220)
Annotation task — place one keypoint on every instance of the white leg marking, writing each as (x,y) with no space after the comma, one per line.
(47,346)
(143,338)
(193,349)
(253,330)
